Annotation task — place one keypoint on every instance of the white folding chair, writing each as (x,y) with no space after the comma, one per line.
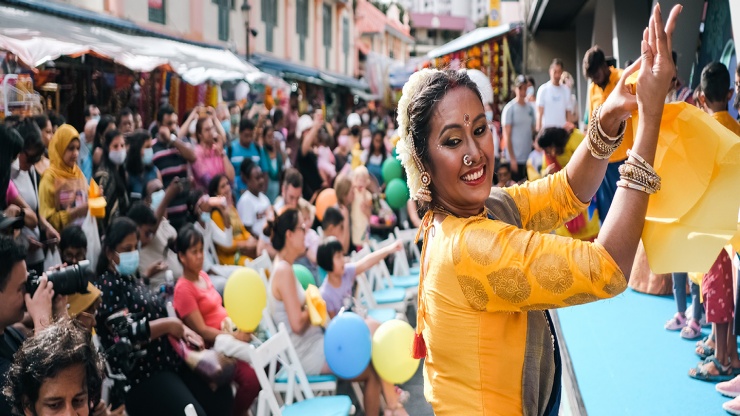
(408,237)
(263,265)
(381,274)
(279,347)
(321,384)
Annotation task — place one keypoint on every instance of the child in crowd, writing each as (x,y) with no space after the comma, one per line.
(340,275)
(326,160)
(254,207)
(335,225)
(361,206)
(73,245)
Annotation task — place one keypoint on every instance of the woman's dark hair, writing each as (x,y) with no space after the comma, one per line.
(187,237)
(119,229)
(192,201)
(429,92)
(135,142)
(277,229)
(11,144)
(553,136)
(383,150)
(58,347)
(213,185)
(56,118)
(107,140)
(326,251)
(72,236)
(31,134)
(103,124)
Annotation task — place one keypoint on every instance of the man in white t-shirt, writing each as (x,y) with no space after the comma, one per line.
(518,119)
(254,207)
(553,100)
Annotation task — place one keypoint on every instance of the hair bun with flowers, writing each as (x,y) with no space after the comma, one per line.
(407,154)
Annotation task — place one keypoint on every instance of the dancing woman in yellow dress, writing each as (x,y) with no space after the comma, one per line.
(486,285)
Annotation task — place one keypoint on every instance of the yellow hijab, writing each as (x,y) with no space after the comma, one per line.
(58,145)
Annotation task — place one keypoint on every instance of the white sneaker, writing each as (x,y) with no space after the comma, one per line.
(729,388)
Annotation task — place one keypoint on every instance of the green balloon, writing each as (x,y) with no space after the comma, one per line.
(396,193)
(391,169)
(304,276)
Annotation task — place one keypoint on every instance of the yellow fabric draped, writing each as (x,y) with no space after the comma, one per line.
(695,213)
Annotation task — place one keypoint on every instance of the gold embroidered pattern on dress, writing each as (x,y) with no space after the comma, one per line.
(544,220)
(474,292)
(480,246)
(580,298)
(589,265)
(617,284)
(456,252)
(510,284)
(552,273)
(523,204)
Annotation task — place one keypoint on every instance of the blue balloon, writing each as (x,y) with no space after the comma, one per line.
(347,345)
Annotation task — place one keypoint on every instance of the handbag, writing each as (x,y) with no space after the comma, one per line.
(214,367)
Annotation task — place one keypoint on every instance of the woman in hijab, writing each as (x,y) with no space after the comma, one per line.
(63,189)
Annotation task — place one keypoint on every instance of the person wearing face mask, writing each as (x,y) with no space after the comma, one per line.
(106,123)
(141,170)
(518,119)
(341,152)
(111,177)
(159,382)
(26,180)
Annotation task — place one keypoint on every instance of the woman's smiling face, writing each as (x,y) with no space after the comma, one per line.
(458,128)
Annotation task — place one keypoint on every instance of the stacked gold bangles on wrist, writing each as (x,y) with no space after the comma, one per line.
(598,140)
(637,174)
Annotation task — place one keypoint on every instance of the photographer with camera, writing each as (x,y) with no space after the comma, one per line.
(160,383)
(14,301)
(58,371)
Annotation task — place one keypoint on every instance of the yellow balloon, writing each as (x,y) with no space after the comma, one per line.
(245,296)
(391,355)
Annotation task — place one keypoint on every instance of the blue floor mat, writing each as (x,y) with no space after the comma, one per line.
(627,364)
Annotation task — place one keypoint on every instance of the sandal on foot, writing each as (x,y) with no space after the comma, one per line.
(705,350)
(676,323)
(691,331)
(701,373)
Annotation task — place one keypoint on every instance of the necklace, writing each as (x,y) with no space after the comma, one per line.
(442,210)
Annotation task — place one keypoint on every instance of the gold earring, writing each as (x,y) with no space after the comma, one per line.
(423,194)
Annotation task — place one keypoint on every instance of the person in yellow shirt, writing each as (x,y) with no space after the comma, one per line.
(490,270)
(603,81)
(244,248)
(715,95)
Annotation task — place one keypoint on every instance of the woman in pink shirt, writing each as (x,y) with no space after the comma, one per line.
(210,158)
(200,306)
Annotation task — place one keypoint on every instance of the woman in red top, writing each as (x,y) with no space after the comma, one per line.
(200,306)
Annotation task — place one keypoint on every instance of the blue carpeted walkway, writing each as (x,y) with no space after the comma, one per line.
(627,364)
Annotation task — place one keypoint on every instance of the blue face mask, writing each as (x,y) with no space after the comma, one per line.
(205,217)
(128,263)
(157,198)
(148,156)
(226,124)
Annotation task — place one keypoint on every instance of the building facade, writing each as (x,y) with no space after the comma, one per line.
(313,33)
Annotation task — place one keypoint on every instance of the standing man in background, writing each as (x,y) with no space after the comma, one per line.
(553,100)
(519,121)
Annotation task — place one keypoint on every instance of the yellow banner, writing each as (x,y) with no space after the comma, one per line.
(494,13)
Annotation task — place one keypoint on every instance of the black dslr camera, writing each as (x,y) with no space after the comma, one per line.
(67,280)
(129,333)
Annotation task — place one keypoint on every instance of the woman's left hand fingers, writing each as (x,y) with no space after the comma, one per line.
(670,25)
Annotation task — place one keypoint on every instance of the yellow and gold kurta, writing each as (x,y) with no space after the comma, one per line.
(485,286)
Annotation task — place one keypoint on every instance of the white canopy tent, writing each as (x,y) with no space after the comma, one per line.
(37,38)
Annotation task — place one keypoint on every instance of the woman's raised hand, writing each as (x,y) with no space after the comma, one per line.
(658,67)
(622,102)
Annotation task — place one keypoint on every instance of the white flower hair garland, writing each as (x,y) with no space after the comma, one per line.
(405,145)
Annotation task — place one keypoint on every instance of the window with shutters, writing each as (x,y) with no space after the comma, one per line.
(224,9)
(157,11)
(345,43)
(269,16)
(327,34)
(301,23)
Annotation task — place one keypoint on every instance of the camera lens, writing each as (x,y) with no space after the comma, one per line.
(70,279)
